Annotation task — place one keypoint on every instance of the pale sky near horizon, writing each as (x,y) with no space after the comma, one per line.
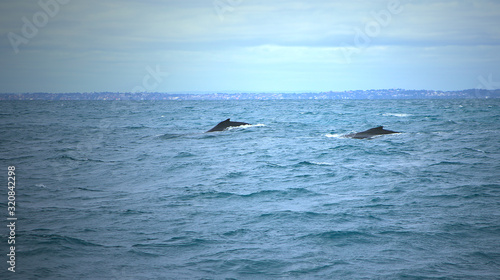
(248,45)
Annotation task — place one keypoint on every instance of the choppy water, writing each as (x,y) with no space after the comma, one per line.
(136,190)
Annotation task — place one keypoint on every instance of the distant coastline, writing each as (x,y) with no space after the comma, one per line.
(354,94)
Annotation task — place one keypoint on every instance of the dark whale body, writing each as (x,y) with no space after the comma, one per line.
(367,134)
(225,124)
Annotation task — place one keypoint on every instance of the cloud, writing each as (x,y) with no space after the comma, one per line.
(106,45)
(129,25)
(447,23)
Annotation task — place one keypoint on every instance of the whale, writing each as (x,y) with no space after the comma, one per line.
(226,124)
(370,133)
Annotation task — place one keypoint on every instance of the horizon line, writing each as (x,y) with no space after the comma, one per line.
(247,92)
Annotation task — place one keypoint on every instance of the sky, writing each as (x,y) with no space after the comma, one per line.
(248,45)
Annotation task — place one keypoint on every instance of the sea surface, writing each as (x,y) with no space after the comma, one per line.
(137,190)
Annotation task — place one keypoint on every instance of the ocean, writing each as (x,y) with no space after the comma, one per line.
(137,190)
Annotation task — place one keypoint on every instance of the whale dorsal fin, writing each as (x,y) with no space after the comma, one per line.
(378,128)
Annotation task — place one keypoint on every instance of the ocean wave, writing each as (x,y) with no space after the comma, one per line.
(315,163)
(167,136)
(341,235)
(446,162)
(55,242)
(206,195)
(271,165)
(72,158)
(294,199)
(275,194)
(246,126)
(136,127)
(400,115)
(18,158)
(184,155)
(134,212)
(177,241)
(237,232)
(288,193)
(289,215)
(336,135)
(89,189)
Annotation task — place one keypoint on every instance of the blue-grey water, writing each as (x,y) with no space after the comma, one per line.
(137,190)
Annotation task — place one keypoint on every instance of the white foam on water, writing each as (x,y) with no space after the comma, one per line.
(396,115)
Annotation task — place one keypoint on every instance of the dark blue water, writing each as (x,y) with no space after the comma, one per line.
(136,190)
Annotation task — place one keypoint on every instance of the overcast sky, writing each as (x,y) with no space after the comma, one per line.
(247,45)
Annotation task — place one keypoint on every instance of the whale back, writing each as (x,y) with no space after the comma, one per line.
(379,130)
(223,125)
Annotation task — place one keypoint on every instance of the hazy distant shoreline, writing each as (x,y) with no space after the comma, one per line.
(355,94)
